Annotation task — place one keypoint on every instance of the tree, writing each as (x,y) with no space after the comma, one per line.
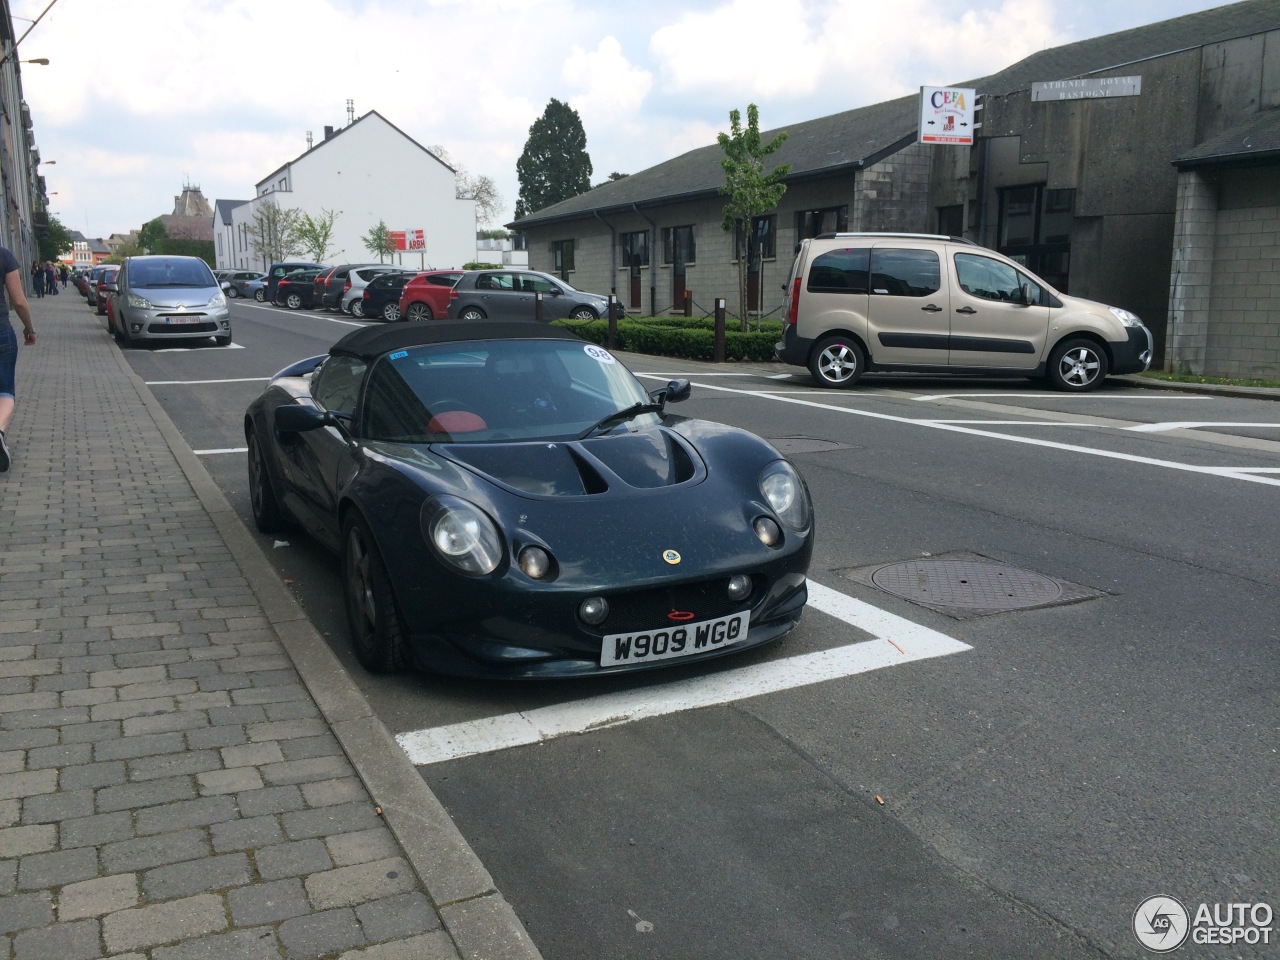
(752,191)
(152,235)
(55,240)
(378,240)
(554,165)
(316,235)
(273,233)
(481,189)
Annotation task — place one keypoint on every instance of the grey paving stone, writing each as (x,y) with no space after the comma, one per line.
(320,934)
(348,886)
(177,720)
(43,870)
(348,849)
(102,774)
(185,813)
(303,771)
(50,807)
(196,876)
(246,834)
(63,755)
(212,738)
(228,781)
(436,945)
(303,748)
(142,853)
(128,748)
(25,739)
(62,941)
(292,859)
(255,803)
(133,796)
(24,910)
(326,793)
(96,830)
(174,764)
(166,922)
(268,902)
(94,733)
(258,943)
(402,915)
(252,754)
(101,895)
(327,821)
(27,782)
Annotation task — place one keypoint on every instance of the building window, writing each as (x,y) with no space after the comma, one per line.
(562,257)
(1035,230)
(678,246)
(951,220)
(763,231)
(811,223)
(635,249)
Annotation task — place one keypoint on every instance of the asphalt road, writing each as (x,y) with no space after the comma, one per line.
(1019,794)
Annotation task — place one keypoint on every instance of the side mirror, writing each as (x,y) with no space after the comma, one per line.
(674,392)
(296,418)
(111,286)
(225,285)
(1026,295)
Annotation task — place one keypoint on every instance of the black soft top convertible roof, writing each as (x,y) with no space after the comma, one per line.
(372,342)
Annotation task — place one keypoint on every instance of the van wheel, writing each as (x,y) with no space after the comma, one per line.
(837,362)
(1077,365)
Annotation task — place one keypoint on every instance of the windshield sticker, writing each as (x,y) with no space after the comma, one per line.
(398,355)
(599,353)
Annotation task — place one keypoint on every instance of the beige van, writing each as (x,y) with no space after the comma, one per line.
(930,304)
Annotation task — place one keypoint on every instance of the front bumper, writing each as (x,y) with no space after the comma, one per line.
(1134,355)
(171,324)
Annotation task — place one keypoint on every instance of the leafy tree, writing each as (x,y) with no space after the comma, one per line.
(316,234)
(481,189)
(152,236)
(554,165)
(752,191)
(378,240)
(273,233)
(54,240)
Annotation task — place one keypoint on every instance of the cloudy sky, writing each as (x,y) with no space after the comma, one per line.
(144,96)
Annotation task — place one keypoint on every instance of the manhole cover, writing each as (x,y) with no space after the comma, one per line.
(970,586)
(790,445)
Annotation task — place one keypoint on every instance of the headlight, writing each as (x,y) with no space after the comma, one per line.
(218,300)
(784,491)
(462,535)
(137,302)
(1126,317)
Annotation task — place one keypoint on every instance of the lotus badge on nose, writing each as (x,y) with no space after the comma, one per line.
(671,556)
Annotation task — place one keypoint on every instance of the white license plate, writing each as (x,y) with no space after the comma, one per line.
(182,319)
(676,640)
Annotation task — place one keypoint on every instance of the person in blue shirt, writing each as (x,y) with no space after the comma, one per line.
(12,297)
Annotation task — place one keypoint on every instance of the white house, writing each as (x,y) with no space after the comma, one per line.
(365,172)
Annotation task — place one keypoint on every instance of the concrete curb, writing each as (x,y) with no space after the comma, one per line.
(475,914)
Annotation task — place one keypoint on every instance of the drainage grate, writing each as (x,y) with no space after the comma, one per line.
(970,586)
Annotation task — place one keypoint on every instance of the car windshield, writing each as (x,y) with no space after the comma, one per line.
(170,273)
(486,391)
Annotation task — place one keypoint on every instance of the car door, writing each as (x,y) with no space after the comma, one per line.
(908,307)
(318,463)
(992,325)
(556,302)
(502,294)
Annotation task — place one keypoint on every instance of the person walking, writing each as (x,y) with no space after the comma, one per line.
(37,278)
(12,297)
(50,277)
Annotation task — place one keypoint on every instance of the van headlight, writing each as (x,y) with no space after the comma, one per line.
(218,300)
(1126,317)
(137,302)
(784,491)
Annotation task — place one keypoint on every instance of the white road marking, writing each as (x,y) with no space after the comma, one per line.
(188,383)
(1018,423)
(201,348)
(346,323)
(897,641)
(1071,396)
(209,453)
(1192,425)
(1250,474)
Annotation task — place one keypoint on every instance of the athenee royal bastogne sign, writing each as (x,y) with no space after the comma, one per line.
(946,115)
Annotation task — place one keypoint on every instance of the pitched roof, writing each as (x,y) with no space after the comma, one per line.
(222,209)
(1255,140)
(863,136)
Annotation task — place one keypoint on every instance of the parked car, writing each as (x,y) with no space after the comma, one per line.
(297,290)
(280,269)
(511,295)
(236,279)
(104,287)
(255,289)
(426,296)
(163,297)
(381,296)
(336,284)
(915,302)
(91,282)
(463,473)
(352,302)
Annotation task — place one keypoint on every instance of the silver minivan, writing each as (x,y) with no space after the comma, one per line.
(169,297)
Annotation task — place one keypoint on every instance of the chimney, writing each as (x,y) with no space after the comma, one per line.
(328,131)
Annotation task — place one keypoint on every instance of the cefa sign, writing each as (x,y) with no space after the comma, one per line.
(946,115)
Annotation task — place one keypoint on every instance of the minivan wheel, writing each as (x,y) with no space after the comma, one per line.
(1077,365)
(837,362)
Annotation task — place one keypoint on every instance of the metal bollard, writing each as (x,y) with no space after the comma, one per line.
(612,342)
(537,306)
(688,303)
(717,354)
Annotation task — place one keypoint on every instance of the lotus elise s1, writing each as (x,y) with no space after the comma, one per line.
(508,501)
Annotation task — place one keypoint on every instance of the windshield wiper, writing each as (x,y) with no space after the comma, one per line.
(620,416)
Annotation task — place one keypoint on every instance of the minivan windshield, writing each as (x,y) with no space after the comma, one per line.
(170,273)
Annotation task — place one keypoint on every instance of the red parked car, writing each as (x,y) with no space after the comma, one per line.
(101,293)
(426,296)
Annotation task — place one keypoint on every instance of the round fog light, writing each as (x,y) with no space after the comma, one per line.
(593,610)
(739,587)
(534,562)
(770,533)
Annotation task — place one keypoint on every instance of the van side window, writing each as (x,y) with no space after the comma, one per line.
(991,280)
(904,273)
(840,271)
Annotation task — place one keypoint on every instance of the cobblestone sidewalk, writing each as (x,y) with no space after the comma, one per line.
(175,779)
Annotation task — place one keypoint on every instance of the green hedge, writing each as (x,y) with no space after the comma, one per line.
(689,337)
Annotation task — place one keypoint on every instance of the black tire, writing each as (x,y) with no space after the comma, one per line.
(419,311)
(1077,366)
(260,295)
(391,311)
(357,308)
(117,331)
(837,362)
(583,313)
(293,301)
(232,293)
(223,341)
(377,633)
(267,514)
(471,313)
